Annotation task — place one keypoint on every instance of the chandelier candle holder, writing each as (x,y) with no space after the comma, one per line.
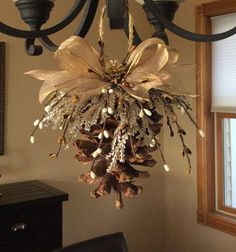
(34,13)
(168,9)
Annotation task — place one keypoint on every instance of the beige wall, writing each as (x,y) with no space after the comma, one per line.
(142,218)
(182,233)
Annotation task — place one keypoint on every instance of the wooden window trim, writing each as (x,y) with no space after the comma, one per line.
(207,213)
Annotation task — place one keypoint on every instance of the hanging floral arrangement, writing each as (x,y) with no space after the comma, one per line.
(112,112)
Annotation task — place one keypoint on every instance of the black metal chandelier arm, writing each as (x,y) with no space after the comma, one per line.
(88,17)
(32,49)
(48,43)
(85,24)
(182,32)
(87,20)
(73,13)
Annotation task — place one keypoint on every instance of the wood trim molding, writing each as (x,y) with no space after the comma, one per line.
(203,116)
(218,8)
(2,95)
(208,213)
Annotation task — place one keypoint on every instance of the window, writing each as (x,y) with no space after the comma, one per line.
(229,148)
(225,139)
(216,114)
(223,104)
(229,161)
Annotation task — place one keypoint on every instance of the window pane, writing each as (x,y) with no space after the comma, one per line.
(224,66)
(229,135)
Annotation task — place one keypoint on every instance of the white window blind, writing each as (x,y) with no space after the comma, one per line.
(224,66)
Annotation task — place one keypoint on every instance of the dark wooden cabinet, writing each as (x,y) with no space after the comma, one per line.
(30,217)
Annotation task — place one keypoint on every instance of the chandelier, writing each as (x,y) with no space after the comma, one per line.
(36,13)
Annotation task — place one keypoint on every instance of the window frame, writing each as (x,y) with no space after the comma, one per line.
(210,211)
(220,165)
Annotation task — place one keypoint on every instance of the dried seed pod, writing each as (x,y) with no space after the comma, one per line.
(36,122)
(95,154)
(48,108)
(106,134)
(202,133)
(104,91)
(148,112)
(100,136)
(99,150)
(141,113)
(166,167)
(110,111)
(153,143)
(104,110)
(93,175)
(41,125)
(32,139)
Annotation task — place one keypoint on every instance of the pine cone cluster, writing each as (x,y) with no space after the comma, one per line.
(121,179)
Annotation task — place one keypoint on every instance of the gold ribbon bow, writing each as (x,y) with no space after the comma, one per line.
(151,65)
